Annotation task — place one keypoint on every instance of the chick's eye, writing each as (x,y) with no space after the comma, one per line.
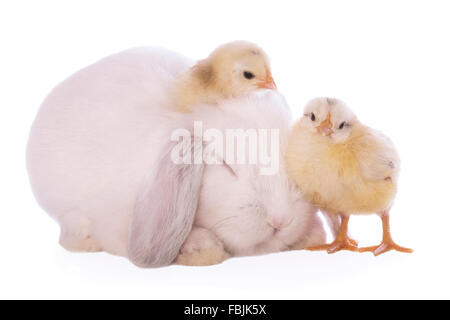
(313,117)
(248,75)
(342,125)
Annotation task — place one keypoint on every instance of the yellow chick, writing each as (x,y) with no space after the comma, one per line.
(231,70)
(344,167)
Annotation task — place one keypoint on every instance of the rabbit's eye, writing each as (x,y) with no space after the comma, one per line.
(313,117)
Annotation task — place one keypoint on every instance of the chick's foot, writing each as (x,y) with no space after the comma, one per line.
(342,241)
(337,245)
(385,246)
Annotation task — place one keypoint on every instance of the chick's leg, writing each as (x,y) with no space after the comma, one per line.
(334,222)
(387,244)
(342,241)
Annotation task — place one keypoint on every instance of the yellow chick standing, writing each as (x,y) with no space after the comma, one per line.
(344,167)
(231,70)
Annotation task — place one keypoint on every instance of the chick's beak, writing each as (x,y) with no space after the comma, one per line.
(268,82)
(325,127)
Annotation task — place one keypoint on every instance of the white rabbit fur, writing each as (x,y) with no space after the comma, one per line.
(96,164)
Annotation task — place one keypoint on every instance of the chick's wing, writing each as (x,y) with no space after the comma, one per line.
(377,156)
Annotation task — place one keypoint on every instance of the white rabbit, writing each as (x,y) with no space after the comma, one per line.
(99,163)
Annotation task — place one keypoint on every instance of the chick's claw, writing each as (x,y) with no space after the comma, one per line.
(345,244)
(385,247)
(337,245)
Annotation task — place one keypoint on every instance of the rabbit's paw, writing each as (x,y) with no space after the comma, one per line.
(76,234)
(201,248)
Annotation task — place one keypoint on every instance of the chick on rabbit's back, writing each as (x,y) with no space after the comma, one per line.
(99,163)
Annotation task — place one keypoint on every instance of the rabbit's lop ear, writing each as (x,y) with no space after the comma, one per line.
(165,208)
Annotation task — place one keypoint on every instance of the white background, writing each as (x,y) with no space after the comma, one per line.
(389,60)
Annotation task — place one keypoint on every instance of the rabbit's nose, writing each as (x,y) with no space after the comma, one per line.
(274,223)
(278,223)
